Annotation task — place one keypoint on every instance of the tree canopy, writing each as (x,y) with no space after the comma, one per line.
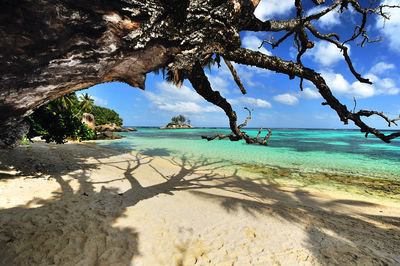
(61,119)
(180,119)
(52,49)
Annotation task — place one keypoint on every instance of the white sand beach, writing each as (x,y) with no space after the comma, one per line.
(78,204)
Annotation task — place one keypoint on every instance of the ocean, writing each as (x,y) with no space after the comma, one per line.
(304,154)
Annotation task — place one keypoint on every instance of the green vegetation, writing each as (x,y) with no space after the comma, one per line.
(61,119)
(178,120)
(105,116)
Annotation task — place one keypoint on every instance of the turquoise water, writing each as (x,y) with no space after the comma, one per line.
(344,151)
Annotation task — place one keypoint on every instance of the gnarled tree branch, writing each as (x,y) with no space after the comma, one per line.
(200,83)
(248,57)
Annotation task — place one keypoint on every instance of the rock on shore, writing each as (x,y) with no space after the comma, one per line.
(107,131)
(177,126)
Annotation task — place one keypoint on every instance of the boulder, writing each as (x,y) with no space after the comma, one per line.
(177,126)
(88,119)
(108,135)
(113,128)
(14,136)
(108,127)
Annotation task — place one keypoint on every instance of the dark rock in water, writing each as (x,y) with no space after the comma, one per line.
(107,131)
(113,128)
(177,126)
(14,135)
(108,127)
(108,135)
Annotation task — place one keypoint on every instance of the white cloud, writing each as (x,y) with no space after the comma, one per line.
(381,68)
(391,28)
(326,54)
(286,98)
(386,86)
(250,102)
(293,98)
(336,82)
(99,101)
(269,8)
(381,86)
(218,83)
(188,107)
(309,93)
(168,92)
(327,21)
(250,41)
(361,90)
(168,97)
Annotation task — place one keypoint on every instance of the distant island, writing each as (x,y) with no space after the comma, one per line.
(178,122)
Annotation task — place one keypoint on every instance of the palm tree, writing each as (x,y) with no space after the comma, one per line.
(86,104)
(66,102)
(174,120)
(181,118)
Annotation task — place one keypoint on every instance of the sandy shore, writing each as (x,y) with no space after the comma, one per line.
(84,205)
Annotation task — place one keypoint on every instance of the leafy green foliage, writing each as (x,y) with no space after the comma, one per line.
(86,103)
(53,124)
(104,115)
(61,119)
(180,119)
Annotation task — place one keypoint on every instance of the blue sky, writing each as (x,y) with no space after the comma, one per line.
(277,101)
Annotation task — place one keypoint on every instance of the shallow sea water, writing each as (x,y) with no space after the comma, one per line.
(304,150)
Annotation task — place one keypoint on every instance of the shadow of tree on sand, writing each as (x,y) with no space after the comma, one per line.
(334,237)
(75,226)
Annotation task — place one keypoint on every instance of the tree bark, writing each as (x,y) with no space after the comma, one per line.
(52,48)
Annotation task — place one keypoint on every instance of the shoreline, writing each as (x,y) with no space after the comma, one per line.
(84,203)
(346,182)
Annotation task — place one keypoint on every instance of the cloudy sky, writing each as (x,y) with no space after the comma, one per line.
(278,101)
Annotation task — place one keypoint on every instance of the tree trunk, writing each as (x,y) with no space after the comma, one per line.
(51,48)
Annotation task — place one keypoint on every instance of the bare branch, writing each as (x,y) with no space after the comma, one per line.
(247,118)
(235,76)
(202,86)
(220,136)
(274,63)
(344,50)
(301,84)
(318,2)
(205,59)
(367,113)
(265,140)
